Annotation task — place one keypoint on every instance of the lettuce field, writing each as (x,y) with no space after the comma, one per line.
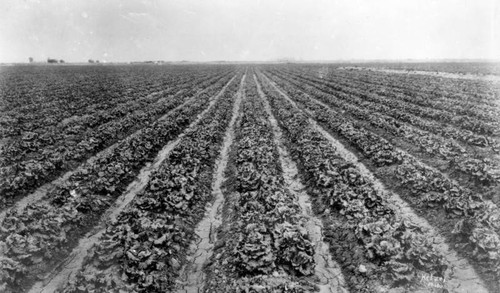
(249,178)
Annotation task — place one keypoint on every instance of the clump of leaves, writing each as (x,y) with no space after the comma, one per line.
(10,271)
(295,250)
(254,251)
(481,242)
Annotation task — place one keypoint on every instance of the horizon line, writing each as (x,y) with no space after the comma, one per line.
(279,60)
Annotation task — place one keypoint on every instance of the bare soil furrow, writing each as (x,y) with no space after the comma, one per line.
(479,122)
(461,276)
(192,276)
(44,189)
(444,154)
(327,270)
(432,163)
(235,177)
(63,272)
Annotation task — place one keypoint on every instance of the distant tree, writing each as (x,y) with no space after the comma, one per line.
(51,60)
(91,61)
(30,59)
(97,61)
(61,61)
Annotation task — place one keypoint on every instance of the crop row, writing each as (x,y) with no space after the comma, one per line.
(23,177)
(35,237)
(339,99)
(372,243)
(24,88)
(69,88)
(479,225)
(71,129)
(481,126)
(460,68)
(32,144)
(479,169)
(264,246)
(445,93)
(461,92)
(28,88)
(78,98)
(148,242)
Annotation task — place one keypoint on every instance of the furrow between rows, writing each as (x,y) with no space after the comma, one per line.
(436,197)
(328,271)
(24,177)
(70,210)
(76,258)
(144,248)
(192,275)
(464,277)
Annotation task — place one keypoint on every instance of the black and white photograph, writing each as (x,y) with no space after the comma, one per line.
(249,146)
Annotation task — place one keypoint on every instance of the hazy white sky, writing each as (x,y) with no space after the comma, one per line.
(248,30)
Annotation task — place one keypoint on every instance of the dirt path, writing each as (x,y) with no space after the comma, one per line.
(461,277)
(40,192)
(327,270)
(487,77)
(62,273)
(192,275)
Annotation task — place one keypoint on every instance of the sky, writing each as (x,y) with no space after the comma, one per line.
(248,30)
